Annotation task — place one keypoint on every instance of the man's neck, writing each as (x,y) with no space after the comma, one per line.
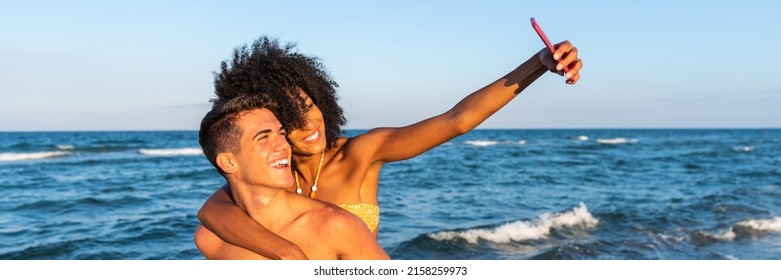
(261,202)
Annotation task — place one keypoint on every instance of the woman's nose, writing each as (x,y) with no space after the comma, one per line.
(309,125)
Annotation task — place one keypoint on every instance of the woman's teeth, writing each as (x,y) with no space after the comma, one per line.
(312,137)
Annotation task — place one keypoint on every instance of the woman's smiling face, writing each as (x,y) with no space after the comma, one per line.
(309,139)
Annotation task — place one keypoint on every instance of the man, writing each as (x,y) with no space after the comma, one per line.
(245,141)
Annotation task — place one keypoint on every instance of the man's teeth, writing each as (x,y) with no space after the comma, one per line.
(282,162)
(312,137)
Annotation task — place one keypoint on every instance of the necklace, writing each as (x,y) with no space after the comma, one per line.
(317,176)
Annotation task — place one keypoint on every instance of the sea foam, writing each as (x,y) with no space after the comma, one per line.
(485,143)
(748,228)
(524,230)
(614,141)
(760,225)
(743,149)
(30,156)
(481,143)
(171,152)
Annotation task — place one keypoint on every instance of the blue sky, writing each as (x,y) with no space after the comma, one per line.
(147,65)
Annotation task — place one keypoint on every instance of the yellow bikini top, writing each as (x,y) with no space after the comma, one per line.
(369,213)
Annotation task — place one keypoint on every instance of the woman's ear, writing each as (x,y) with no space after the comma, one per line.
(227,163)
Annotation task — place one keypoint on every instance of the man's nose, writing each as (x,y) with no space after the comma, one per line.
(281,144)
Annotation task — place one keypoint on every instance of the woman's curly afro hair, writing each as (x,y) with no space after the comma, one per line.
(267,68)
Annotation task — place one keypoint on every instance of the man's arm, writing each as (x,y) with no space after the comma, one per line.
(393,144)
(229,223)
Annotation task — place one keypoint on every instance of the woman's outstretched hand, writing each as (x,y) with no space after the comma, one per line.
(566,56)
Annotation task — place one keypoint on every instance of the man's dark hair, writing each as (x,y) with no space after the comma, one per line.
(277,72)
(220,131)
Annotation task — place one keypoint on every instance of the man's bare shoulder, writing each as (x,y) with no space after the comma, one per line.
(330,220)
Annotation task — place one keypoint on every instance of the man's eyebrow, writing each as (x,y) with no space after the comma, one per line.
(265,131)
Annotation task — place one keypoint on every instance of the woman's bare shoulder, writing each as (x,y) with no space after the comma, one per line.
(366,142)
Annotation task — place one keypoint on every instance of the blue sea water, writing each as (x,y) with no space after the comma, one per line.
(490,194)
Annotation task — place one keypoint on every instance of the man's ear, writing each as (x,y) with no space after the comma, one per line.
(227,163)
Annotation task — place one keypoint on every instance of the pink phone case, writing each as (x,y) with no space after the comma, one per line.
(545,40)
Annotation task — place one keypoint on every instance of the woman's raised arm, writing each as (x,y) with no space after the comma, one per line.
(394,144)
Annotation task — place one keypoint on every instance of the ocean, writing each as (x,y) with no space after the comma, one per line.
(651,194)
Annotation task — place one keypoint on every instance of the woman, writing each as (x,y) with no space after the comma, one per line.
(345,171)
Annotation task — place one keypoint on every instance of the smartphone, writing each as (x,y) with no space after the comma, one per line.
(545,40)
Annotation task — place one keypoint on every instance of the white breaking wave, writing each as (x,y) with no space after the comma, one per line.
(30,156)
(484,143)
(583,138)
(727,235)
(481,143)
(65,147)
(171,152)
(524,230)
(762,225)
(615,141)
(748,227)
(743,149)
